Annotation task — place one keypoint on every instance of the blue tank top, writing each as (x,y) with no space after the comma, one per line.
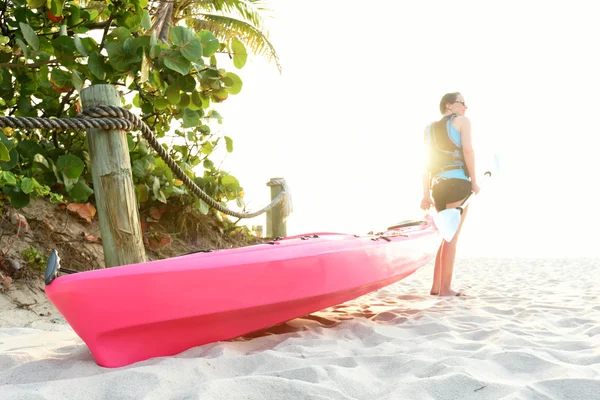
(458,173)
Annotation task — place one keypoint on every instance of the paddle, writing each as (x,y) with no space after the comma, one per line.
(448,221)
(53,267)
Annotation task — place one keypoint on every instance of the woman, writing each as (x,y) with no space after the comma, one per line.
(448,178)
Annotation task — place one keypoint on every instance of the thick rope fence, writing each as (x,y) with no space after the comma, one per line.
(117,118)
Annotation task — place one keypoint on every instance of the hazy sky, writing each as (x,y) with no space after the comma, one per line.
(343,122)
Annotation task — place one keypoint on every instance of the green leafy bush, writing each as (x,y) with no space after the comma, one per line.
(50,50)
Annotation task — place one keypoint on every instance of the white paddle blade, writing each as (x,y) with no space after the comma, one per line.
(447,222)
(496,163)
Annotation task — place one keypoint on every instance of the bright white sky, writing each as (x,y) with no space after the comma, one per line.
(343,122)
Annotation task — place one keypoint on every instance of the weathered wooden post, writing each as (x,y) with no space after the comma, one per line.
(276,225)
(113,185)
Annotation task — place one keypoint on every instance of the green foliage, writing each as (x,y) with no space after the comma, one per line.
(29,165)
(239,53)
(33,258)
(237,23)
(50,50)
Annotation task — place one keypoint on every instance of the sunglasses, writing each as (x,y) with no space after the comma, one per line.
(461,102)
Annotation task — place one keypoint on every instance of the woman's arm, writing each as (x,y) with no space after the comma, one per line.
(468,152)
(427,201)
(425,178)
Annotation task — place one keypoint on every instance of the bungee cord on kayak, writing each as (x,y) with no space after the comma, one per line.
(113,117)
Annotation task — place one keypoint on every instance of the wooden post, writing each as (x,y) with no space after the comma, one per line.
(113,185)
(276,225)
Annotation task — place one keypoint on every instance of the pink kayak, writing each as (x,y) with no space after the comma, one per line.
(160,308)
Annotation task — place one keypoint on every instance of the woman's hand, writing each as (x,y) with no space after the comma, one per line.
(475,187)
(426,203)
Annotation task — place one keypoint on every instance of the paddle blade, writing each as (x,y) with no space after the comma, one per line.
(52,267)
(447,222)
(496,166)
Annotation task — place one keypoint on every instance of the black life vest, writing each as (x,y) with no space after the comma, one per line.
(443,153)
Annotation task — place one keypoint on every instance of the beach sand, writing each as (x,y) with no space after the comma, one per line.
(529,329)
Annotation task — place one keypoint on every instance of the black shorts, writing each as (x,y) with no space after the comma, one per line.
(450,191)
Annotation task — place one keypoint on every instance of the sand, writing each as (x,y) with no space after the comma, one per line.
(529,329)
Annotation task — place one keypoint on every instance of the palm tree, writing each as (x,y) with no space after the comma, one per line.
(226,19)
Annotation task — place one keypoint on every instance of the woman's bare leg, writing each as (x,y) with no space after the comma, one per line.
(437,272)
(448,255)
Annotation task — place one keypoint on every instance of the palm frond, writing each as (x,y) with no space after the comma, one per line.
(245,9)
(226,19)
(227,28)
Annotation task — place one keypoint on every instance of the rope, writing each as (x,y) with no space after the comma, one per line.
(286,207)
(113,117)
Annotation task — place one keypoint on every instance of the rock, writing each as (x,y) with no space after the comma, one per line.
(10,265)
(19,221)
